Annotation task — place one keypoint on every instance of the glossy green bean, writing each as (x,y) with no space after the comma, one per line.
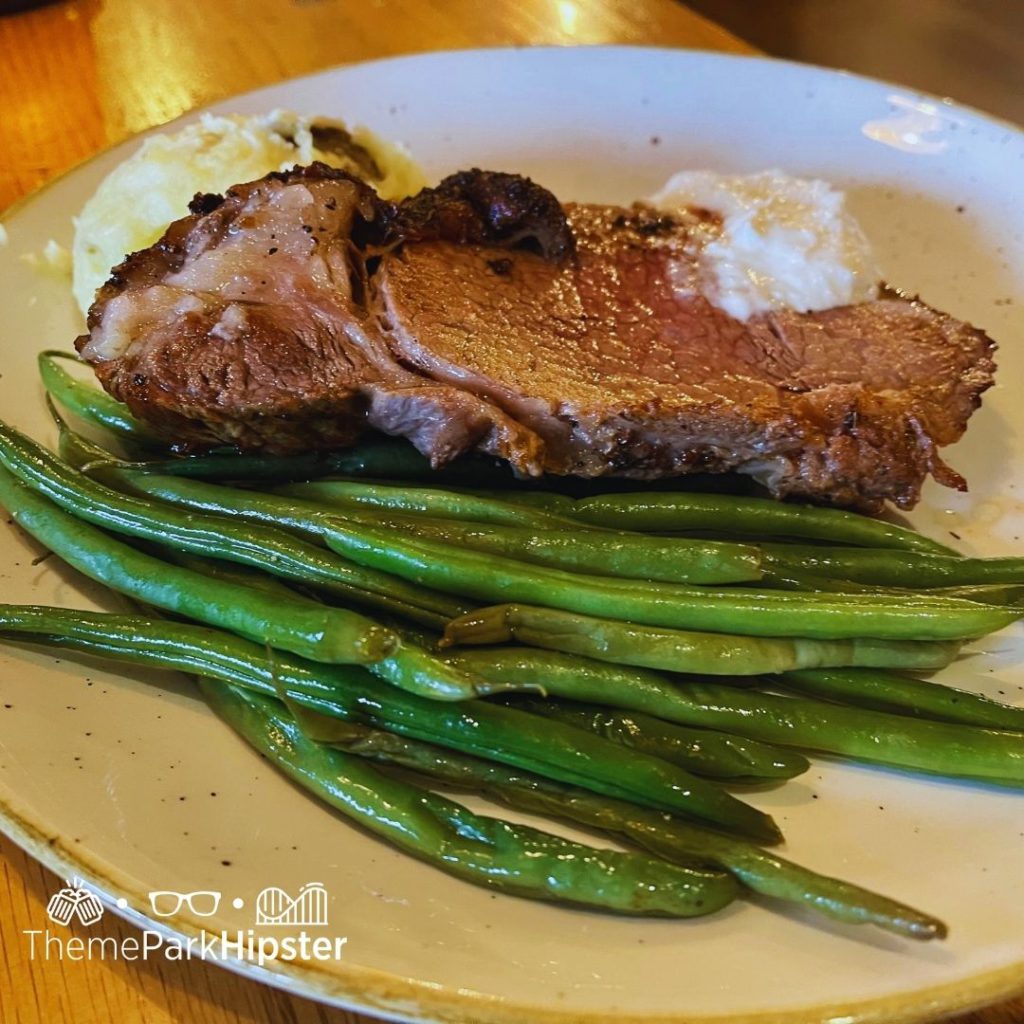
(299,625)
(785,577)
(88,402)
(648,697)
(349,692)
(940,748)
(264,547)
(232,572)
(429,501)
(511,858)
(667,837)
(410,666)
(484,578)
(890,568)
(899,694)
(623,555)
(728,610)
(738,610)
(716,755)
(676,650)
(661,512)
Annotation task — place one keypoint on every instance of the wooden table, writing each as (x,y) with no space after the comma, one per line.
(78,76)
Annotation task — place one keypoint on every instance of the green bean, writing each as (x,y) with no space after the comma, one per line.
(487,851)
(349,692)
(519,493)
(728,610)
(575,677)
(232,572)
(647,697)
(702,751)
(986,593)
(383,459)
(298,625)
(936,748)
(784,577)
(887,691)
(400,663)
(895,568)
(940,748)
(409,666)
(877,737)
(661,512)
(663,835)
(90,403)
(346,494)
(471,574)
(265,548)
(676,650)
(305,517)
(788,578)
(623,555)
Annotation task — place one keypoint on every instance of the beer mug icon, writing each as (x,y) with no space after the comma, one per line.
(74,901)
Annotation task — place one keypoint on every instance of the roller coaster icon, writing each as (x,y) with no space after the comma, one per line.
(309,908)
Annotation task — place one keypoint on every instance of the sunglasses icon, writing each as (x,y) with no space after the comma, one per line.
(167,903)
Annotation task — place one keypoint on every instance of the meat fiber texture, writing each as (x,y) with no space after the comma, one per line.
(300,310)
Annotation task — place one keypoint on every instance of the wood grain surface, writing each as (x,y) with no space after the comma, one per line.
(78,76)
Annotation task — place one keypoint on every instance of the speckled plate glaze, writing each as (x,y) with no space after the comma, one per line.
(125,779)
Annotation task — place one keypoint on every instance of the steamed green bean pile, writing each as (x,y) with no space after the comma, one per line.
(613,658)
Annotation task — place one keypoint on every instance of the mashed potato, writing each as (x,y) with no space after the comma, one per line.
(142,195)
(784,242)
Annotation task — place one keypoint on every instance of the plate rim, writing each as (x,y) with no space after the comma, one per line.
(355,987)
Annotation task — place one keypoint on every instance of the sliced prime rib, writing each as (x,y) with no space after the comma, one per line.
(301,309)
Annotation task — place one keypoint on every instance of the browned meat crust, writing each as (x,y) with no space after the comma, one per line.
(486,208)
(484,315)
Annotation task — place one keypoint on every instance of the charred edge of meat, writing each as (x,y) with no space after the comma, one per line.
(478,207)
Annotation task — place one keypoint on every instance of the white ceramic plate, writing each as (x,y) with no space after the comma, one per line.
(135,787)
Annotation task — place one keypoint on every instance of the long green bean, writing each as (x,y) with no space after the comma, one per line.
(476,727)
(895,568)
(484,578)
(676,650)
(887,691)
(935,747)
(409,666)
(727,610)
(430,501)
(661,512)
(264,547)
(760,871)
(88,402)
(488,851)
(299,625)
(402,664)
(624,555)
(716,755)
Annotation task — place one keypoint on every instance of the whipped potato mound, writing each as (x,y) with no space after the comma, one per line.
(141,196)
(781,242)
